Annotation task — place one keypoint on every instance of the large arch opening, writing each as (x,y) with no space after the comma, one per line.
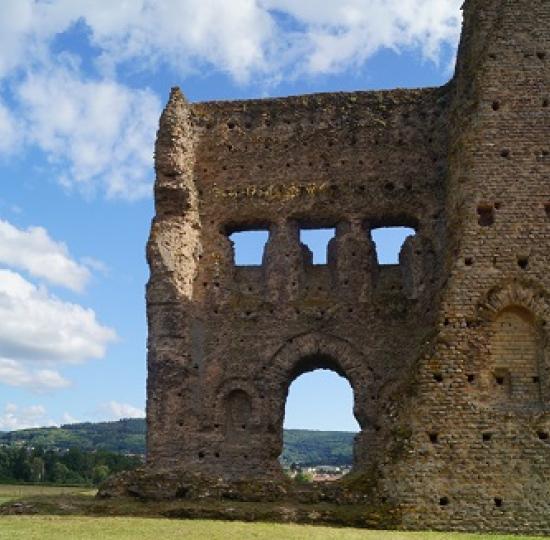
(319,422)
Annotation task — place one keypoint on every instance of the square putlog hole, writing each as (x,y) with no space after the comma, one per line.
(523,262)
(485,215)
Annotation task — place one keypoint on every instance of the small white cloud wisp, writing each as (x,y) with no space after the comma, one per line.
(114,410)
(16,373)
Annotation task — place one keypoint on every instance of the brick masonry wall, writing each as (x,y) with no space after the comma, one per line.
(446,352)
(489,466)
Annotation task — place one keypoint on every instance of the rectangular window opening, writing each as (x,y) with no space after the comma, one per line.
(249,246)
(317,241)
(388,242)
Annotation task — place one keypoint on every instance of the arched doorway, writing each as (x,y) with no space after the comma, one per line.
(319,426)
(310,352)
(325,451)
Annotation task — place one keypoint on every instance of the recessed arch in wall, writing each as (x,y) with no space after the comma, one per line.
(515,357)
(515,319)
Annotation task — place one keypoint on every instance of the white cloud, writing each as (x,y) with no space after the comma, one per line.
(244,37)
(241,37)
(37,326)
(113,410)
(14,26)
(95,132)
(14,417)
(17,373)
(96,264)
(233,37)
(40,331)
(336,35)
(34,251)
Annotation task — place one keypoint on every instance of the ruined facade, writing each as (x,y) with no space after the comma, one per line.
(447,352)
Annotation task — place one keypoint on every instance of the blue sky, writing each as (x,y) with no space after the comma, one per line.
(81,87)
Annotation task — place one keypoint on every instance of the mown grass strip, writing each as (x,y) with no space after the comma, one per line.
(81,528)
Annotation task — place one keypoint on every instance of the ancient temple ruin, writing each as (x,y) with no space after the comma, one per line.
(447,352)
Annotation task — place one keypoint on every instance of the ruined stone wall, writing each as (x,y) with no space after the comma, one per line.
(477,453)
(219,333)
(446,352)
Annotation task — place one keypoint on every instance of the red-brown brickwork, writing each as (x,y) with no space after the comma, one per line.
(447,352)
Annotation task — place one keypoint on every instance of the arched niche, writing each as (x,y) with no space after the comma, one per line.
(238,411)
(515,357)
(517,364)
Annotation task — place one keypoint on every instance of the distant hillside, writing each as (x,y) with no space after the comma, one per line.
(128,437)
(125,436)
(317,447)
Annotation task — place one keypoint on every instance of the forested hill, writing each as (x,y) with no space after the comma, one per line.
(128,437)
(125,436)
(317,447)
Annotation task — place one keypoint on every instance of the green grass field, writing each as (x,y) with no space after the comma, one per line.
(54,527)
(76,528)
(11,492)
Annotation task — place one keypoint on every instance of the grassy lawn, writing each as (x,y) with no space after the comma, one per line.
(9,492)
(55,527)
(80,503)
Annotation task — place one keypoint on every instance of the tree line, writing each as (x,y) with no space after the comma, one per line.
(73,466)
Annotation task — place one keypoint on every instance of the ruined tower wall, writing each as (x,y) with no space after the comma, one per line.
(483,393)
(447,352)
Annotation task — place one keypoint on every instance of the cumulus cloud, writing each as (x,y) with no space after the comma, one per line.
(95,132)
(336,35)
(14,417)
(231,36)
(243,37)
(39,331)
(34,251)
(113,410)
(37,326)
(234,37)
(99,132)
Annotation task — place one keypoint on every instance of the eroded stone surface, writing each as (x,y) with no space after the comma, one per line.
(447,352)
